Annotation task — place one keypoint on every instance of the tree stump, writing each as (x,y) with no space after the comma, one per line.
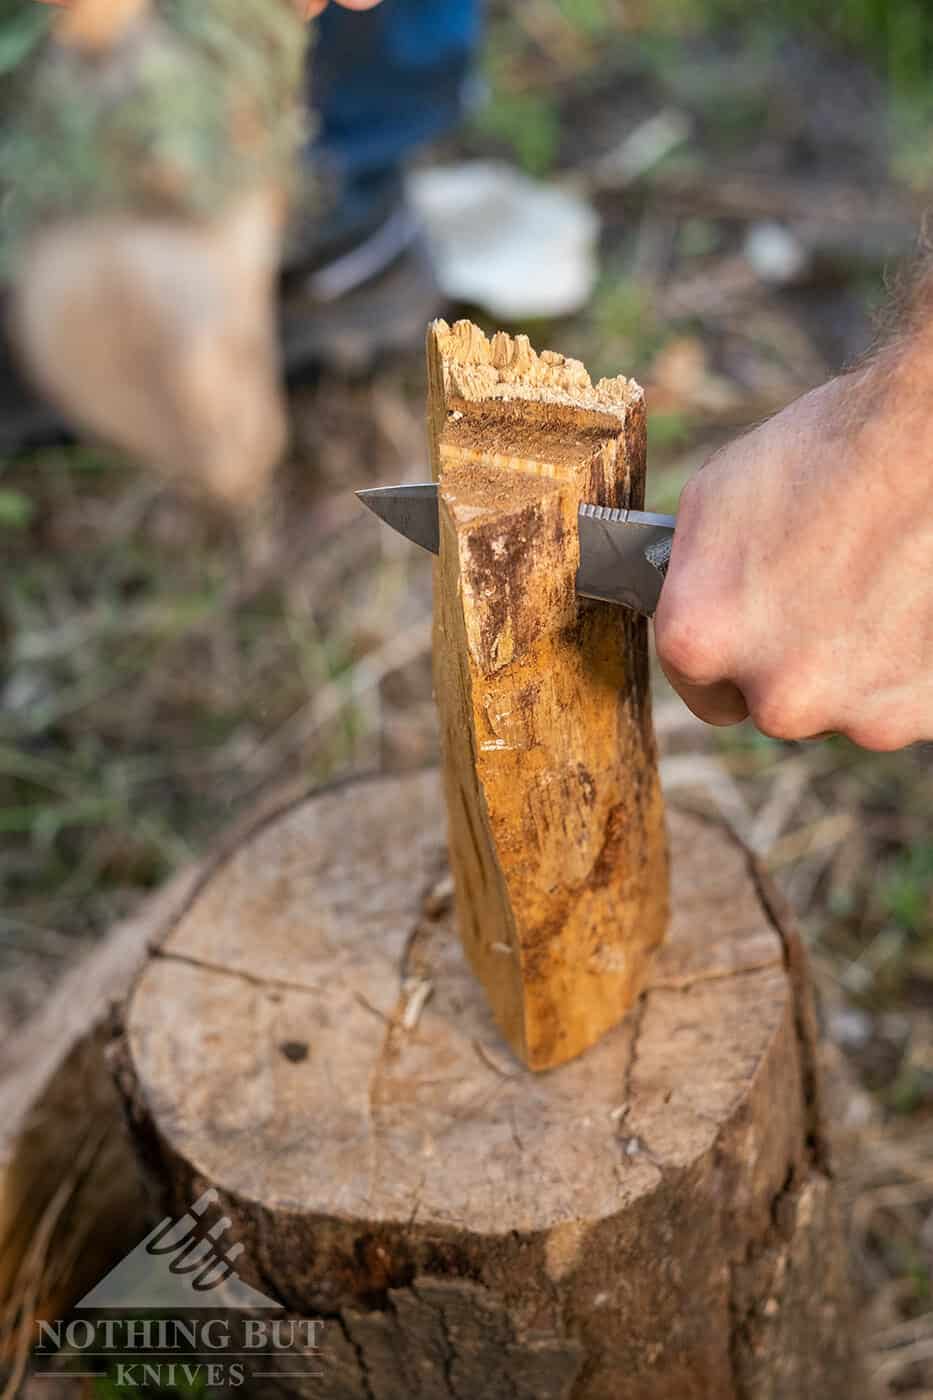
(651,1221)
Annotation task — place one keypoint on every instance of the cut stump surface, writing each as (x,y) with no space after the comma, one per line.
(653,1219)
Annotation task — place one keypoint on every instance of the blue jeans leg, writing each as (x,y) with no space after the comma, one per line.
(387,80)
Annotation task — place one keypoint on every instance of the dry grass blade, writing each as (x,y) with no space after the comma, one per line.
(891,1208)
(916,1330)
(17,1324)
(782,802)
(711,782)
(823,834)
(910,1355)
(275,753)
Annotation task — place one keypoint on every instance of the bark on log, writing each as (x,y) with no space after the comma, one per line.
(652,1220)
(555,819)
(70,1190)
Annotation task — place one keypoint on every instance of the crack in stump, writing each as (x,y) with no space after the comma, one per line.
(253,979)
(360,1355)
(687,983)
(781,920)
(422,927)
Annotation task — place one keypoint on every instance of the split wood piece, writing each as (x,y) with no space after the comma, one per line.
(653,1220)
(555,818)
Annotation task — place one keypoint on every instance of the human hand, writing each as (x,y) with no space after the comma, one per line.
(309,8)
(800,588)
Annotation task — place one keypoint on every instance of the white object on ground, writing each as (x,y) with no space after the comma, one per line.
(507,243)
(775,253)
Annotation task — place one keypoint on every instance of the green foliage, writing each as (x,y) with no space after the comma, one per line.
(16,509)
(23,26)
(667,431)
(911,1090)
(526,122)
(592,18)
(895,35)
(912,147)
(627,330)
(697,238)
(625,309)
(907,891)
(529,124)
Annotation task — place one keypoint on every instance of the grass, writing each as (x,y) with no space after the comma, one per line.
(869,906)
(522,116)
(895,36)
(626,328)
(22,27)
(907,889)
(525,124)
(152,660)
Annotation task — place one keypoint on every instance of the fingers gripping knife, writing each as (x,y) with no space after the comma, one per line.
(624,554)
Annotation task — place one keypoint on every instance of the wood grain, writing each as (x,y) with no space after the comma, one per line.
(555,817)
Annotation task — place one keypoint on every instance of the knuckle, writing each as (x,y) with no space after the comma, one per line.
(780,711)
(880,735)
(686,645)
(790,702)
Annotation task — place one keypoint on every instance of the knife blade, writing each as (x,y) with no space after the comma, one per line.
(624,554)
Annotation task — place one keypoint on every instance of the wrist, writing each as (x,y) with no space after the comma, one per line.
(892,426)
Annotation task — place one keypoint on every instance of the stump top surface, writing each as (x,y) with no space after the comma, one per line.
(310,1037)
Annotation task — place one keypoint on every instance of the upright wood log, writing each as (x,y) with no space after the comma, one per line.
(652,1221)
(555,819)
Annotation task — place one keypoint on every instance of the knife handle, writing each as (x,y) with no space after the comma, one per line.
(659,554)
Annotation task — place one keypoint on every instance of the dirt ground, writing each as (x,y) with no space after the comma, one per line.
(162,667)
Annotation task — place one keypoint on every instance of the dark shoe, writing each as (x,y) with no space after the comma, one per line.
(26,420)
(365,287)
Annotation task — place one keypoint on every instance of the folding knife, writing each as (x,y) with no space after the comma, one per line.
(624,554)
